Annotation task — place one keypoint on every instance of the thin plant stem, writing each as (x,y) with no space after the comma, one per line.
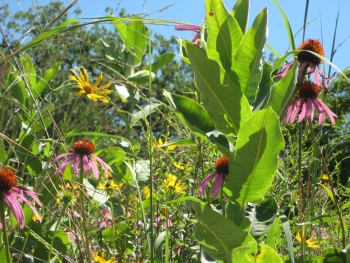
(223,209)
(166,235)
(341,222)
(305,18)
(56,227)
(4,229)
(82,201)
(300,189)
(150,54)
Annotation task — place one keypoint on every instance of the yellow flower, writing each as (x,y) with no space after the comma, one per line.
(171,185)
(110,187)
(36,219)
(159,144)
(179,165)
(309,242)
(93,92)
(147,192)
(325,177)
(101,258)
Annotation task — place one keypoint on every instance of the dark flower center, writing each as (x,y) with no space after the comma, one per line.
(88,88)
(83,147)
(308,89)
(7,179)
(311,45)
(221,165)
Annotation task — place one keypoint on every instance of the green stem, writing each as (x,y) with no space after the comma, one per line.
(300,189)
(223,209)
(82,201)
(341,222)
(55,231)
(4,229)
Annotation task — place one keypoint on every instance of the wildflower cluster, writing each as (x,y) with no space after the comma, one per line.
(309,55)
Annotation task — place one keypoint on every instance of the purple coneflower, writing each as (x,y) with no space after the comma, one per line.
(82,153)
(14,194)
(309,63)
(306,103)
(220,174)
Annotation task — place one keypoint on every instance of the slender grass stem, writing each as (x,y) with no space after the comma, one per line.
(4,229)
(55,231)
(82,201)
(324,162)
(300,190)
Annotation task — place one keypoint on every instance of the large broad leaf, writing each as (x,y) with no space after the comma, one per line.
(218,235)
(241,12)
(283,90)
(264,87)
(247,63)
(191,113)
(255,161)
(227,106)
(224,33)
(134,38)
(265,254)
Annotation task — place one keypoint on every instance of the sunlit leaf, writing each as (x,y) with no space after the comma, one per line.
(227,106)
(224,33)
(247,64)
(241,12)
(218,235)
(255,160)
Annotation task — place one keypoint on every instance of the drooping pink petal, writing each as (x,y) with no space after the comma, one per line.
(286,67)
(15,207)
(302,112)
(76,164)
(216,187)
(63,165)
(86,164)
(59,157)
(105,166)
(322,107)
(205,182)
(22,198)
(94,167)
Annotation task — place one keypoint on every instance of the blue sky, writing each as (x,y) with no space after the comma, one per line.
(322,15)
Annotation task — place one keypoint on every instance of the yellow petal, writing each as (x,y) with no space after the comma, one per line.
(98,81)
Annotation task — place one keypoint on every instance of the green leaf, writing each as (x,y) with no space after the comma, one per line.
(218,235)
(262,216)
(255,161)
(265,85)
(191,113)
(3,155)
(287,25)
(18,90)
(160,62)
(267,254)
(227,106)
(180,142)
(28,69)
(246,65)
(241,12)
(141,77)
(282,91)
(46,78)
(136,40)
(224,34)
(143,113)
